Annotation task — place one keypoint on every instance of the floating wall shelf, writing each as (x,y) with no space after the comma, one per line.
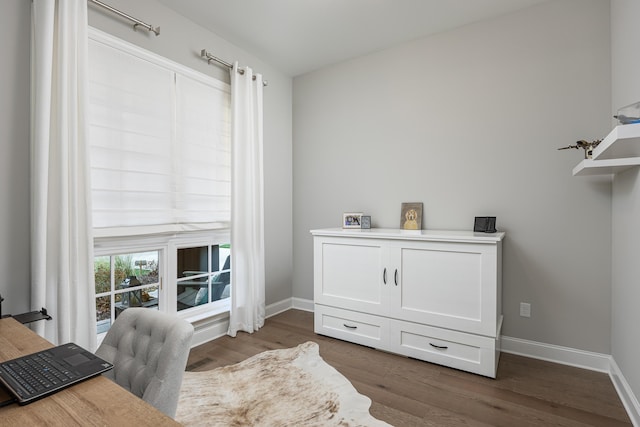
(620,150)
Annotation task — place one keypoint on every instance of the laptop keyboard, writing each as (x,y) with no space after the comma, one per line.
(38,374)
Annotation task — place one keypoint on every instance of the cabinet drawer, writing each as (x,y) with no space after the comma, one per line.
(360,328)
(458,350)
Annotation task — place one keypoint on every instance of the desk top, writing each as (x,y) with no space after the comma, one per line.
(97,401)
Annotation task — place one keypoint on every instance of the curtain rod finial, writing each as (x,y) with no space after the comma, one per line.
(150,28)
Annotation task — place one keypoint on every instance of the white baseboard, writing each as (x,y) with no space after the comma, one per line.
(302,304)
(558,354)
(286,304)
(581,359)
(625,393)
(277,308)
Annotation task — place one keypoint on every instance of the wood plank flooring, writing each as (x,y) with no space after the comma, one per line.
(408,392)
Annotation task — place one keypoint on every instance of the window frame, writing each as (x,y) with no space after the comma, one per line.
(167,246)
(113,285)
(122,240)
(203,311)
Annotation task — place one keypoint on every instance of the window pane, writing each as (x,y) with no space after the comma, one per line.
(193,274)
(134,272)
(192,261)
(130,280)
(199,281)
(102,273)
(103,313)
(122,268)
(221,280)
(192,292)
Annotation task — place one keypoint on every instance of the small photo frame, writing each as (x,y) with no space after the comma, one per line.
(351,219)
(484,224)
(365,222)
(411,216)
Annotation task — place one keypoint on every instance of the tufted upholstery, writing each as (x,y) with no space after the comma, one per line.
(149,351)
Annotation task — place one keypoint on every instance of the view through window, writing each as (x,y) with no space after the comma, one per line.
(123,281)
(136,279)
(203,275)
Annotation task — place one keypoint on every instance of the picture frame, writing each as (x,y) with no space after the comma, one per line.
(365,222)
(484,224)
(351,219)
(411,216)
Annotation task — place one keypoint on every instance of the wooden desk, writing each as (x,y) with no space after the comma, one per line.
(97,401)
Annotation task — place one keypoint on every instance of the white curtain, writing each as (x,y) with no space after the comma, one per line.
(61,240)
(247,204)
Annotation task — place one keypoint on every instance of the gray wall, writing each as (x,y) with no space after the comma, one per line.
(15,21)
(468,122)
(181,41)
(625,347)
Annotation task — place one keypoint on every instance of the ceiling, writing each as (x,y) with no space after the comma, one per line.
(298,36)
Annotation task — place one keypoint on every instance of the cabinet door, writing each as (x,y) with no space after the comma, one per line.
(445,284)
(349,273)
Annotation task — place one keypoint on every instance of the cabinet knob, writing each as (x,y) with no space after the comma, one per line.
(349,326)
(395,277)
(384,276)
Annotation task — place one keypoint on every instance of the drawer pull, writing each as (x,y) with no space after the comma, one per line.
(384,276)
(349,326)
(439,347)
(395,277)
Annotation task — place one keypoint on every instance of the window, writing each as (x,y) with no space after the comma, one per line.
(160,144)
(203,275)
(123,281)
(160,152)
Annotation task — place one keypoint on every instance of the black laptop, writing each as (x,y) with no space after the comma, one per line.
(31,377)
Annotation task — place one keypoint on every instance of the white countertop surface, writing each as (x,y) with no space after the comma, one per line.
(396,233)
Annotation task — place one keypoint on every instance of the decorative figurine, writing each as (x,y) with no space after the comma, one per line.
(588,147)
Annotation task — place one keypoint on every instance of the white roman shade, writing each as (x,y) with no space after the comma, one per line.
(160,144)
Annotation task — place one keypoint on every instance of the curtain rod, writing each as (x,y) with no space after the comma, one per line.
(210,57)
(148,27)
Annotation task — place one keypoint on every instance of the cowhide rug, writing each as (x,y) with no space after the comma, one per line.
(290,387)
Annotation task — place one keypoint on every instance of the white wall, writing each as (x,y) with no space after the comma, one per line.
(181,40)
(14,155)
(625,347)
(468,122)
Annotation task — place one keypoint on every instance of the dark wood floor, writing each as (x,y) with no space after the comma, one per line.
(408,392)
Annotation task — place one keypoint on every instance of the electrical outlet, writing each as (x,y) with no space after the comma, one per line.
(525,309)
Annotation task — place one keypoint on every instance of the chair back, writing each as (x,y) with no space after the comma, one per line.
(149,351)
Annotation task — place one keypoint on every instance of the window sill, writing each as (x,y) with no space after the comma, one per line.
(211,310)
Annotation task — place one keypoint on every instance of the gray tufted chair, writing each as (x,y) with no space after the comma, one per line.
(149,351)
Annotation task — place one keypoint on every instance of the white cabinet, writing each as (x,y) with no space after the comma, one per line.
(432,295)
